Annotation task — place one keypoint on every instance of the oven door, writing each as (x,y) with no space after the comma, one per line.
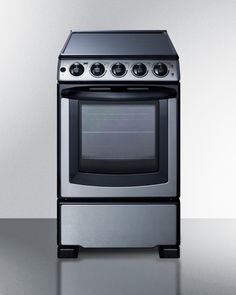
(116,139)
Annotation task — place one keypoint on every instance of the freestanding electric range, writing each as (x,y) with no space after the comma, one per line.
(118,142)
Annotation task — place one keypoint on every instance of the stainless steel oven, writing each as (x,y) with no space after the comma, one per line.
(118,142)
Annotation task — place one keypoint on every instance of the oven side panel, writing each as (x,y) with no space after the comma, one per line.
(58,142)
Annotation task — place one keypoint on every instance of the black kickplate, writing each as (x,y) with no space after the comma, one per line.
(67,252)
(169,252)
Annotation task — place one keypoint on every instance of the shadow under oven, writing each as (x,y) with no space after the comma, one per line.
(118,140)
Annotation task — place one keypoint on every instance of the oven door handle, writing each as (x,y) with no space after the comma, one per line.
(131,95)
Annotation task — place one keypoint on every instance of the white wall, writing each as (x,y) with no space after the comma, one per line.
(32,34)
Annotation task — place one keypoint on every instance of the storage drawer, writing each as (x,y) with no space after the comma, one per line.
(118,225)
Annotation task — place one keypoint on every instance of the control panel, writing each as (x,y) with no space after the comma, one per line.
(113,70)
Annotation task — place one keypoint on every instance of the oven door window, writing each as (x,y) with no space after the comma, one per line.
(118,138)
(116,143)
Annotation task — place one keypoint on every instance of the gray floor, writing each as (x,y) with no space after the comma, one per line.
(28,263)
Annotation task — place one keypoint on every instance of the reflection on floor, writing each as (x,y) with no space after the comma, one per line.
(120,272)
(28,263)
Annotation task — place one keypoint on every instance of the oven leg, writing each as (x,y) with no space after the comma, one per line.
(169,251)
(67,252)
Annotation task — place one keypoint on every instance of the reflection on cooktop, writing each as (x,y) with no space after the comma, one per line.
(119,271)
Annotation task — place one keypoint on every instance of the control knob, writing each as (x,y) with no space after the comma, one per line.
(118,69)
(160,69)
(139,70)
(97,69)
(76,69)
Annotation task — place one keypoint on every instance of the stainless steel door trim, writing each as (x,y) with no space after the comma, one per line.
(168,189)
(110,225)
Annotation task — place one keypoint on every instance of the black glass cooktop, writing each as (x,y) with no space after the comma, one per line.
(119,43)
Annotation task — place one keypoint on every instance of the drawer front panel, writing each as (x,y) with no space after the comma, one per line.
(118,225)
